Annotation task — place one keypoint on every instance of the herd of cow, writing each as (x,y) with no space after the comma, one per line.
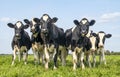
(48,41)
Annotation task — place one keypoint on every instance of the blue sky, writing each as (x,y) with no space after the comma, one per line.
(105,12)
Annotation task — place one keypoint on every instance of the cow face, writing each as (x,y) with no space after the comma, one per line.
(34,25)
(46,23)
(83,25)
(19,28)
(93,41)
(101,38)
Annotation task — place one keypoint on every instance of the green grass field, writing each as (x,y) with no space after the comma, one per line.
(112,69)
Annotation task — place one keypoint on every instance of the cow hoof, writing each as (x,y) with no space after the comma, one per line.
(83,68)
(25,63)
(55,68)
(74,69)
(12,63)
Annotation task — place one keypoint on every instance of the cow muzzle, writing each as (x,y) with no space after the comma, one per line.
(17,36)
(45,31)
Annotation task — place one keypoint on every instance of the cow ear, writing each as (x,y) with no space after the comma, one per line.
(92,22)
(37,20)
(94,34)
(53,20)
(25,26)
(76,22)
(26,21)
(108,35)
(11,25)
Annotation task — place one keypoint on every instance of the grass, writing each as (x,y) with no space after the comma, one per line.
(112,69)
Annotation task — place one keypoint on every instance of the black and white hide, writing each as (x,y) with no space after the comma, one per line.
(21,41)
(36,40)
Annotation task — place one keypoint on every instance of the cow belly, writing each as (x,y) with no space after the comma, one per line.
(51,48)
(21,49)
(37,47)
(78,50)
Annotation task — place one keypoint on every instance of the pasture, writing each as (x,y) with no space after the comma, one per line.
(112,69)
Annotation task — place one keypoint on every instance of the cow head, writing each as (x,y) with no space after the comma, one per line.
(93,41)
(34,25)
(19,28)
(101,38)
(46,23)
(83,25)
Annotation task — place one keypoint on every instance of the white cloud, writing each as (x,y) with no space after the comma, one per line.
(109,17)
(7,19)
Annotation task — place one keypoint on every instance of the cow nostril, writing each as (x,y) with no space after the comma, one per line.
(44,31)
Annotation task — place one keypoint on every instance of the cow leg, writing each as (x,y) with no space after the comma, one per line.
(20,54)
(103,55)
(100,55)
(63,56)
(74,60)
(94,59)
(46,57)
(42,57)
(88,59)
(25,57)
(36,57)
(55,58)
(82,58)
(14,56)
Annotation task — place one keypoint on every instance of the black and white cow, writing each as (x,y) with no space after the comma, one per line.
(77,35)
(21,41)
(101,36)
(50,35)
(36,40)
(91,47)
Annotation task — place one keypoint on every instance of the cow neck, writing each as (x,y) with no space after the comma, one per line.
(20,41)
(35,35)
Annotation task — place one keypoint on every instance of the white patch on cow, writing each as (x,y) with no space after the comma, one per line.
(18,24)
(84,21)
(33,22)
(101,36)
(45,18)
(73,28)
(88,34)
(74,60)
(93,40)
(46,56)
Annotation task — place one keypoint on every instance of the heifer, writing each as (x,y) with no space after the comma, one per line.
(21,41)
(77,35)
(36,40)
(50,35)
(91,47)
(101,36)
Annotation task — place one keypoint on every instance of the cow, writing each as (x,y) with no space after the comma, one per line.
(76,37)
(50,35)
(91,47)
(36,40)
(101,37)
(21,41)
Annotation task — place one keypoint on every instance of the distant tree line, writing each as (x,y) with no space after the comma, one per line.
(111,53)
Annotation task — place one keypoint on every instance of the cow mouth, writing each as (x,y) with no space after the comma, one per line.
(18,37)
(101,46)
